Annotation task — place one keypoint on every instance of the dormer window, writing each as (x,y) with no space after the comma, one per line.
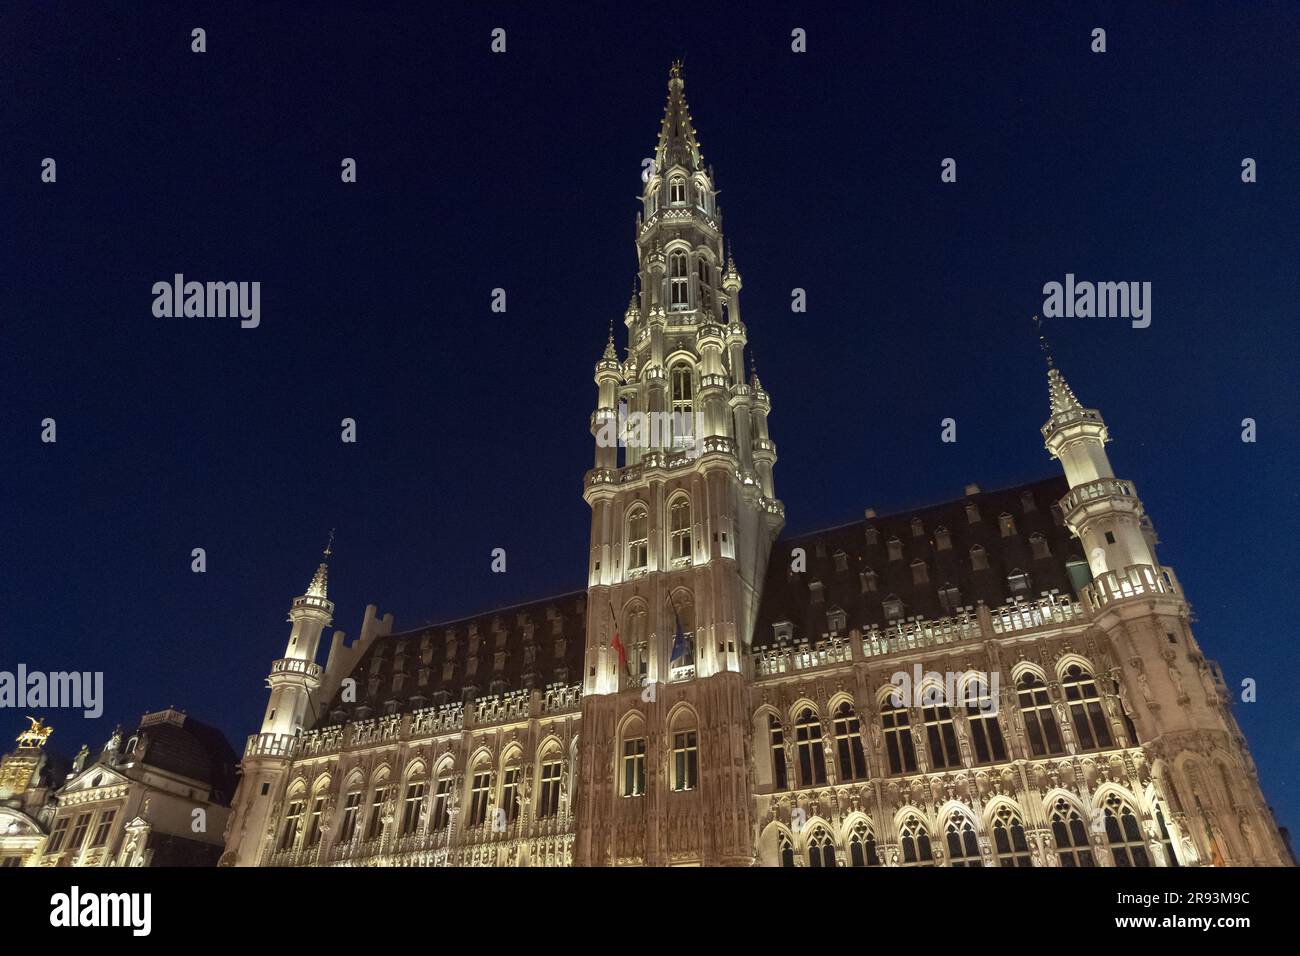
(1006,524)
(817,591)
(836,620)
(920,573)
(979,558)
(893,607)
(918,528)
(1039,545)
(942,539)
(949,598)
(677,191)
(895,549)
(972,512)
(782,632)
(1027,503)
(873,536)
(868,578)
(1018,582)
(841,561)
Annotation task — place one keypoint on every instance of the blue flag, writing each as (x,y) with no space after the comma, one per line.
(679,640)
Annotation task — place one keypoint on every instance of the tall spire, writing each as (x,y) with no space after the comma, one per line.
(677,143)
(320,581)
(1059,392)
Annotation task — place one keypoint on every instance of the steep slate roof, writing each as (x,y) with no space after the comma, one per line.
(179,744)
(524,646)
(555,628)
(789,596)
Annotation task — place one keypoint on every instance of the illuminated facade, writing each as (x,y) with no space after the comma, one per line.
(158,797)
(720,696)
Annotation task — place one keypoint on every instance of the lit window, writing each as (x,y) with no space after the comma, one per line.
(683,418)
(677,191)
(1006,524)
(59,835)
(686,766)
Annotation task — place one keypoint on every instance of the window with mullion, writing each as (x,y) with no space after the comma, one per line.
(351,808)
(634,767)
(1010,845)
(941,736)
(1124,835)
(848,744)
(1090,724)
(549,804)
(1070,836)
(413,807)
(809,750)
(510,793)
(292,822)
(686,768)
(102,828)
(313,821)
(376,825)
(441,798)
(480,797)
(1040,721)
(780,780)
(899,748)
(985,731)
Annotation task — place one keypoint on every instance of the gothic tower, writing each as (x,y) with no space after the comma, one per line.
(1175,699)
(294,680)
(683,517)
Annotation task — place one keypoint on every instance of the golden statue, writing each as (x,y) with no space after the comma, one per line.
(33,738)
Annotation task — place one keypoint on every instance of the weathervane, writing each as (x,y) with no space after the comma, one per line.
(329,548)
(1042,341)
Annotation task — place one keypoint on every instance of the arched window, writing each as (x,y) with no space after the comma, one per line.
(1124,834)
(378,797)
(1070,836)
(292,824)
(1040,722)
(636,643)
(1165,840)
(702,270)
(351,812)
(898,736)
(638,539)
(777,735)
(982,718)
(511,792)
(441,798)
(915,839)
(812,756)
(1089,720)
(848,744)
(552,768)
(786,850)
(678,281)
(413,803)
(862,846)
(480,794)
(682,388)
(1009,843)
(963,846)
(632,761)
(821,848)
(941,736)
(681,653)
(677,190)
(685,754)
(679,528)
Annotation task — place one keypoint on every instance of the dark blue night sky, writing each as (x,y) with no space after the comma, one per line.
(520,171)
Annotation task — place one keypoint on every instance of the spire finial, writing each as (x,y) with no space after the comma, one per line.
(329,547)
(1042,341)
